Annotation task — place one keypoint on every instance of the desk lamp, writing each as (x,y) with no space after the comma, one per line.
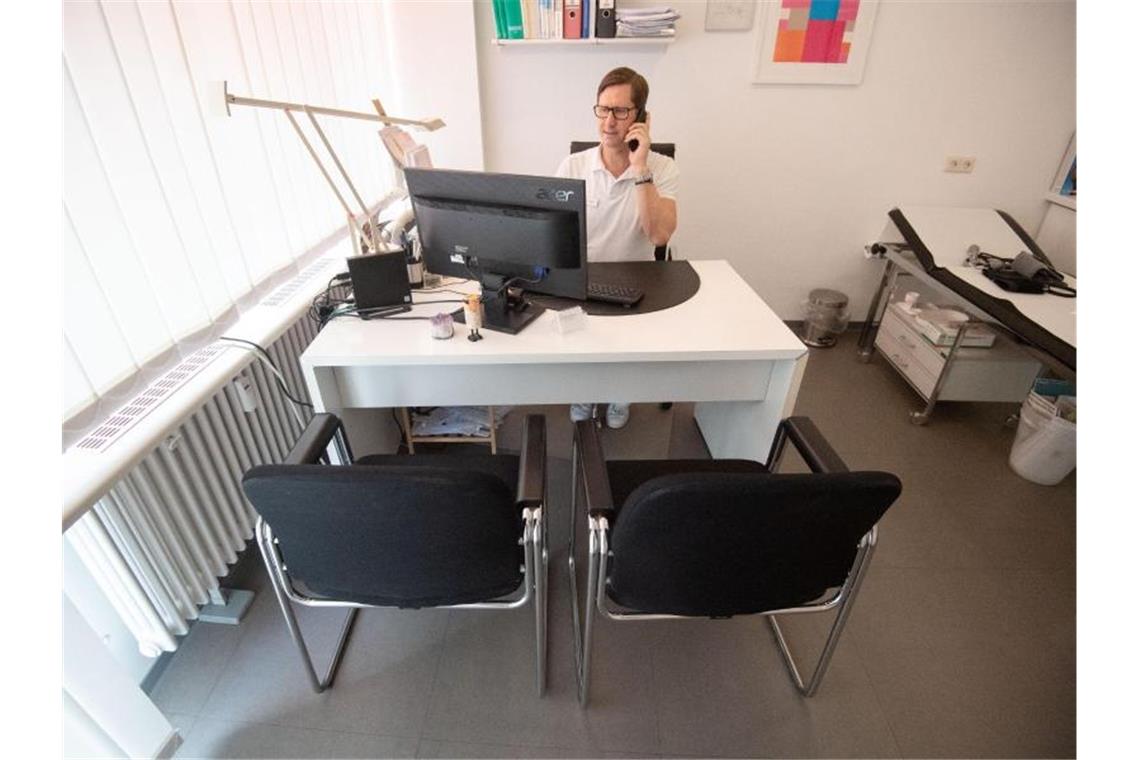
(220,104)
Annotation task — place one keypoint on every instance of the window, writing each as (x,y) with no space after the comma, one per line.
(171,214)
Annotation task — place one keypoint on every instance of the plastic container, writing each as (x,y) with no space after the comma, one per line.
(825,317)
(1045,447)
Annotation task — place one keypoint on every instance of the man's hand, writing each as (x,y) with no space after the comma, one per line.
(639,131)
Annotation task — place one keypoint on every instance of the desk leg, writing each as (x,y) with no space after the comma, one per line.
(325,395)
(323,390)
(745,429)
(921,418)
(875,313)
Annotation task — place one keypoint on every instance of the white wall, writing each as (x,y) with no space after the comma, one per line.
(432,45)
(788,182)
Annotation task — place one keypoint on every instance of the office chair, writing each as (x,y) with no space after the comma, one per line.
(451,531)
(661,252)
(718,538)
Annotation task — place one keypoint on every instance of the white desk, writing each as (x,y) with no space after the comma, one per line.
(723,348)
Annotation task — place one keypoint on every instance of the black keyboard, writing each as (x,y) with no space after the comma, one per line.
(611,293)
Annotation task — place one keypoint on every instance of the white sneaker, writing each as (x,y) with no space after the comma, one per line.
(617,415)
(580,412)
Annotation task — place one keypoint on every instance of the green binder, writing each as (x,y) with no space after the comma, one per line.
(500,20)
(514,19)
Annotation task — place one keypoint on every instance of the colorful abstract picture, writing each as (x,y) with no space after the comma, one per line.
(815,41)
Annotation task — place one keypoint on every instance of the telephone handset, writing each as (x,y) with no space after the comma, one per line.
(639,120)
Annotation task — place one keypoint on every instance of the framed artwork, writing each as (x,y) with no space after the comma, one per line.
(814,41)
(1065,183)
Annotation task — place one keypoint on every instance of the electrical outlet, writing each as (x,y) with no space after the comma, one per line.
(959,164)
(247,396)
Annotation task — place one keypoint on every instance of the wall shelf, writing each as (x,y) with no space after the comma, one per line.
(588,41)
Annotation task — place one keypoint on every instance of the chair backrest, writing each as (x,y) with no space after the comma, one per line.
(661,252)
(720,544)
(392,535)
(667,149)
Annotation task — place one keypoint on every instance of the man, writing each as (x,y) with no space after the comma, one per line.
(631,195)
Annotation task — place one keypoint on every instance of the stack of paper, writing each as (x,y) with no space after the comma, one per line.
(404,149)
(457,420)
(399,144)
(646,22)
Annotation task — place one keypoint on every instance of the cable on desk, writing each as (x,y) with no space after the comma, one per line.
(324,304)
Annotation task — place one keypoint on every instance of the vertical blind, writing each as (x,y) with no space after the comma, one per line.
(171,213)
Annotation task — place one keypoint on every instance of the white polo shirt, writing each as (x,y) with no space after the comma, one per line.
(612,230)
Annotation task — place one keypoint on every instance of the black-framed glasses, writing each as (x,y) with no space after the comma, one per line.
(621,113)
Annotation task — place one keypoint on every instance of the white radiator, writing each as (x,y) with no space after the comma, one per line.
(164,534)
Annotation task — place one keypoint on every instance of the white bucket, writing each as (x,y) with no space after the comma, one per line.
(1045,448)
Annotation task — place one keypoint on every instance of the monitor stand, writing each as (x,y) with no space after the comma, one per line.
(507,314)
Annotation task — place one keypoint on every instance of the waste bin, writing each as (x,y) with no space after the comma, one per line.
(825,317)
(1045,447)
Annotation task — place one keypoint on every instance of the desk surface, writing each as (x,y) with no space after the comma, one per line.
(726,319)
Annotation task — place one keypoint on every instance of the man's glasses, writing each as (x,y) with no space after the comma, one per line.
(621,113)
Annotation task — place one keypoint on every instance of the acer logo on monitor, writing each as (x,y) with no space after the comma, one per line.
(562,196)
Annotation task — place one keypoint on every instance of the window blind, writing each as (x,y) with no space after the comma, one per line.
(171,214)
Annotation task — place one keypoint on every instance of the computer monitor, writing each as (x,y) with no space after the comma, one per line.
(506,230)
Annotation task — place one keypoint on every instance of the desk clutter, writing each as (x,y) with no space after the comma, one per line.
(940,324)
(916,338)
(647,22)
(452,424)
(457,420)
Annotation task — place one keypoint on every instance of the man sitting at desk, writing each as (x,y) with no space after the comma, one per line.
(631,195)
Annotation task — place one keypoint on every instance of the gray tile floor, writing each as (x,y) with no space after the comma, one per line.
(963,643)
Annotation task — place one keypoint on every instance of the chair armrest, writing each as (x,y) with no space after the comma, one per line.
(315,438)
(532,462)
(595,476)
(811,445)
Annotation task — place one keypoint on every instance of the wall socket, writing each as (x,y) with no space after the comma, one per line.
(959,164)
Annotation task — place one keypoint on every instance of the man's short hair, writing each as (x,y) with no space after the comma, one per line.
(639,88)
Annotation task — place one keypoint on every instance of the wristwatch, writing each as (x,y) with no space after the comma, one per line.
(644,179)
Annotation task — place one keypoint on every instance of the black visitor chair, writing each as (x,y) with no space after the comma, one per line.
(454,531)
(718,538)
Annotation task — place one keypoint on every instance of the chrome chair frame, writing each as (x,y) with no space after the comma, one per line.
(598,530)
(534,587)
